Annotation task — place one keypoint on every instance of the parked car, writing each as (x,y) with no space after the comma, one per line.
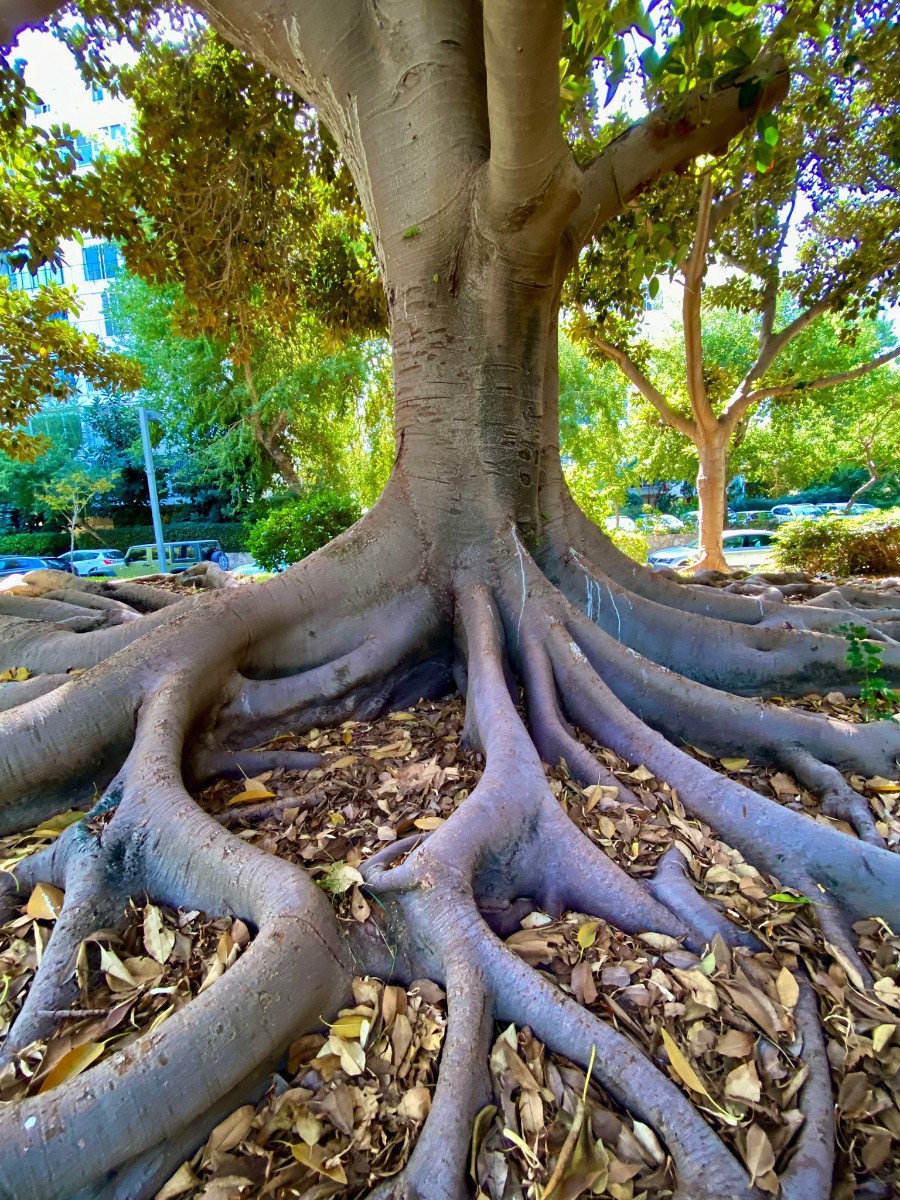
(795,512)
(840,510)
(744,550)
(58,564)
(658,521)
(625,523)
(94,562)
(753,516)
(19,564)
(693,516)
(144,559)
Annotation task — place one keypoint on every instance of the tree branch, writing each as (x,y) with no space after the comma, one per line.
(632,371)
(662,143)
(522,45)
(693,272)
(739,406)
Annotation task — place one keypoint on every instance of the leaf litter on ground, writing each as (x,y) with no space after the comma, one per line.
(722,1020)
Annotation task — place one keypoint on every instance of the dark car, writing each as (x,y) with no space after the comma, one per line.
(19,564)
(58,564)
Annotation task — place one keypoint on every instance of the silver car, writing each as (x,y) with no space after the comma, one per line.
(745,549)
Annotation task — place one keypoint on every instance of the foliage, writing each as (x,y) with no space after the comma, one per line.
(71,492)
(593,431)
(864,656)
(834,545)
(300,527)
(301,411)
(31,543)
(232,535)
(630,542)
(43,356)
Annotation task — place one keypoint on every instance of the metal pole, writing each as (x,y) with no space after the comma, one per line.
(143,419)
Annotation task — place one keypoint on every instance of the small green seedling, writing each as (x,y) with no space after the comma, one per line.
(879,700)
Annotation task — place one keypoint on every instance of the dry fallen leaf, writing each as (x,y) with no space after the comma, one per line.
(45,902)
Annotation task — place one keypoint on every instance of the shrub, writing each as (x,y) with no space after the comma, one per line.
(633,544)
(833,545)
(33,543)
(300,527)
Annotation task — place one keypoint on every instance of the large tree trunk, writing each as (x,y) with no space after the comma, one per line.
(474,566)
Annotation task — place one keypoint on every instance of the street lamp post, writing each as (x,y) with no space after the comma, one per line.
(145,416)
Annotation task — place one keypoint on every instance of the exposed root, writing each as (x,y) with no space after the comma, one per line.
(320,645)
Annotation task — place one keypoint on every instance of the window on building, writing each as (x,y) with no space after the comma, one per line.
(85,149)
(117,134)
(96,93)
(100,262)
(21,279)
(41,108)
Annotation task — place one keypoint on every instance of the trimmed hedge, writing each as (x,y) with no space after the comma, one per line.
(33,543)
(232,535)
(300,527)
(833,545)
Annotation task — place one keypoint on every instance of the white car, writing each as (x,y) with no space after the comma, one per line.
(94,562)
(744,549)
(840,510)
(658,521)
(625,523)
(795,512)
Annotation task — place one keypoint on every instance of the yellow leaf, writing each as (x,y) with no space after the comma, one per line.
(347,761)
(54,826)
(317,1160)
(734,764)
(402,716)
(428,822)
(112,965)
(879,784)
(45,902)
(15,675)
(337,818)
(682,1067)
(587,934)
(72,1063)
(354,1026)
(788,988)
(182,1181)
(254,789)
(881,1035)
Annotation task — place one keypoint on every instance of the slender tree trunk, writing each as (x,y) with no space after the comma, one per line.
(712,482)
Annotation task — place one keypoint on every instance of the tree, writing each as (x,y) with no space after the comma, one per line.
(294,414)
(807,222)
(799,442)
(474,564)
(70,494)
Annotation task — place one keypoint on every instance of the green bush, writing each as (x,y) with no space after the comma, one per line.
(33,543)
(300,527)
(232,535)
(833,545)
(633,544)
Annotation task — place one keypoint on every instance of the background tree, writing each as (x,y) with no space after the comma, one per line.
(70,493)
(474,566)
(805,220)
(300,412)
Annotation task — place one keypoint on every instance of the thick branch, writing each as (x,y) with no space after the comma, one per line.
(693,273)
(742,403)
(632,371)
(521,51)
(662,143)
